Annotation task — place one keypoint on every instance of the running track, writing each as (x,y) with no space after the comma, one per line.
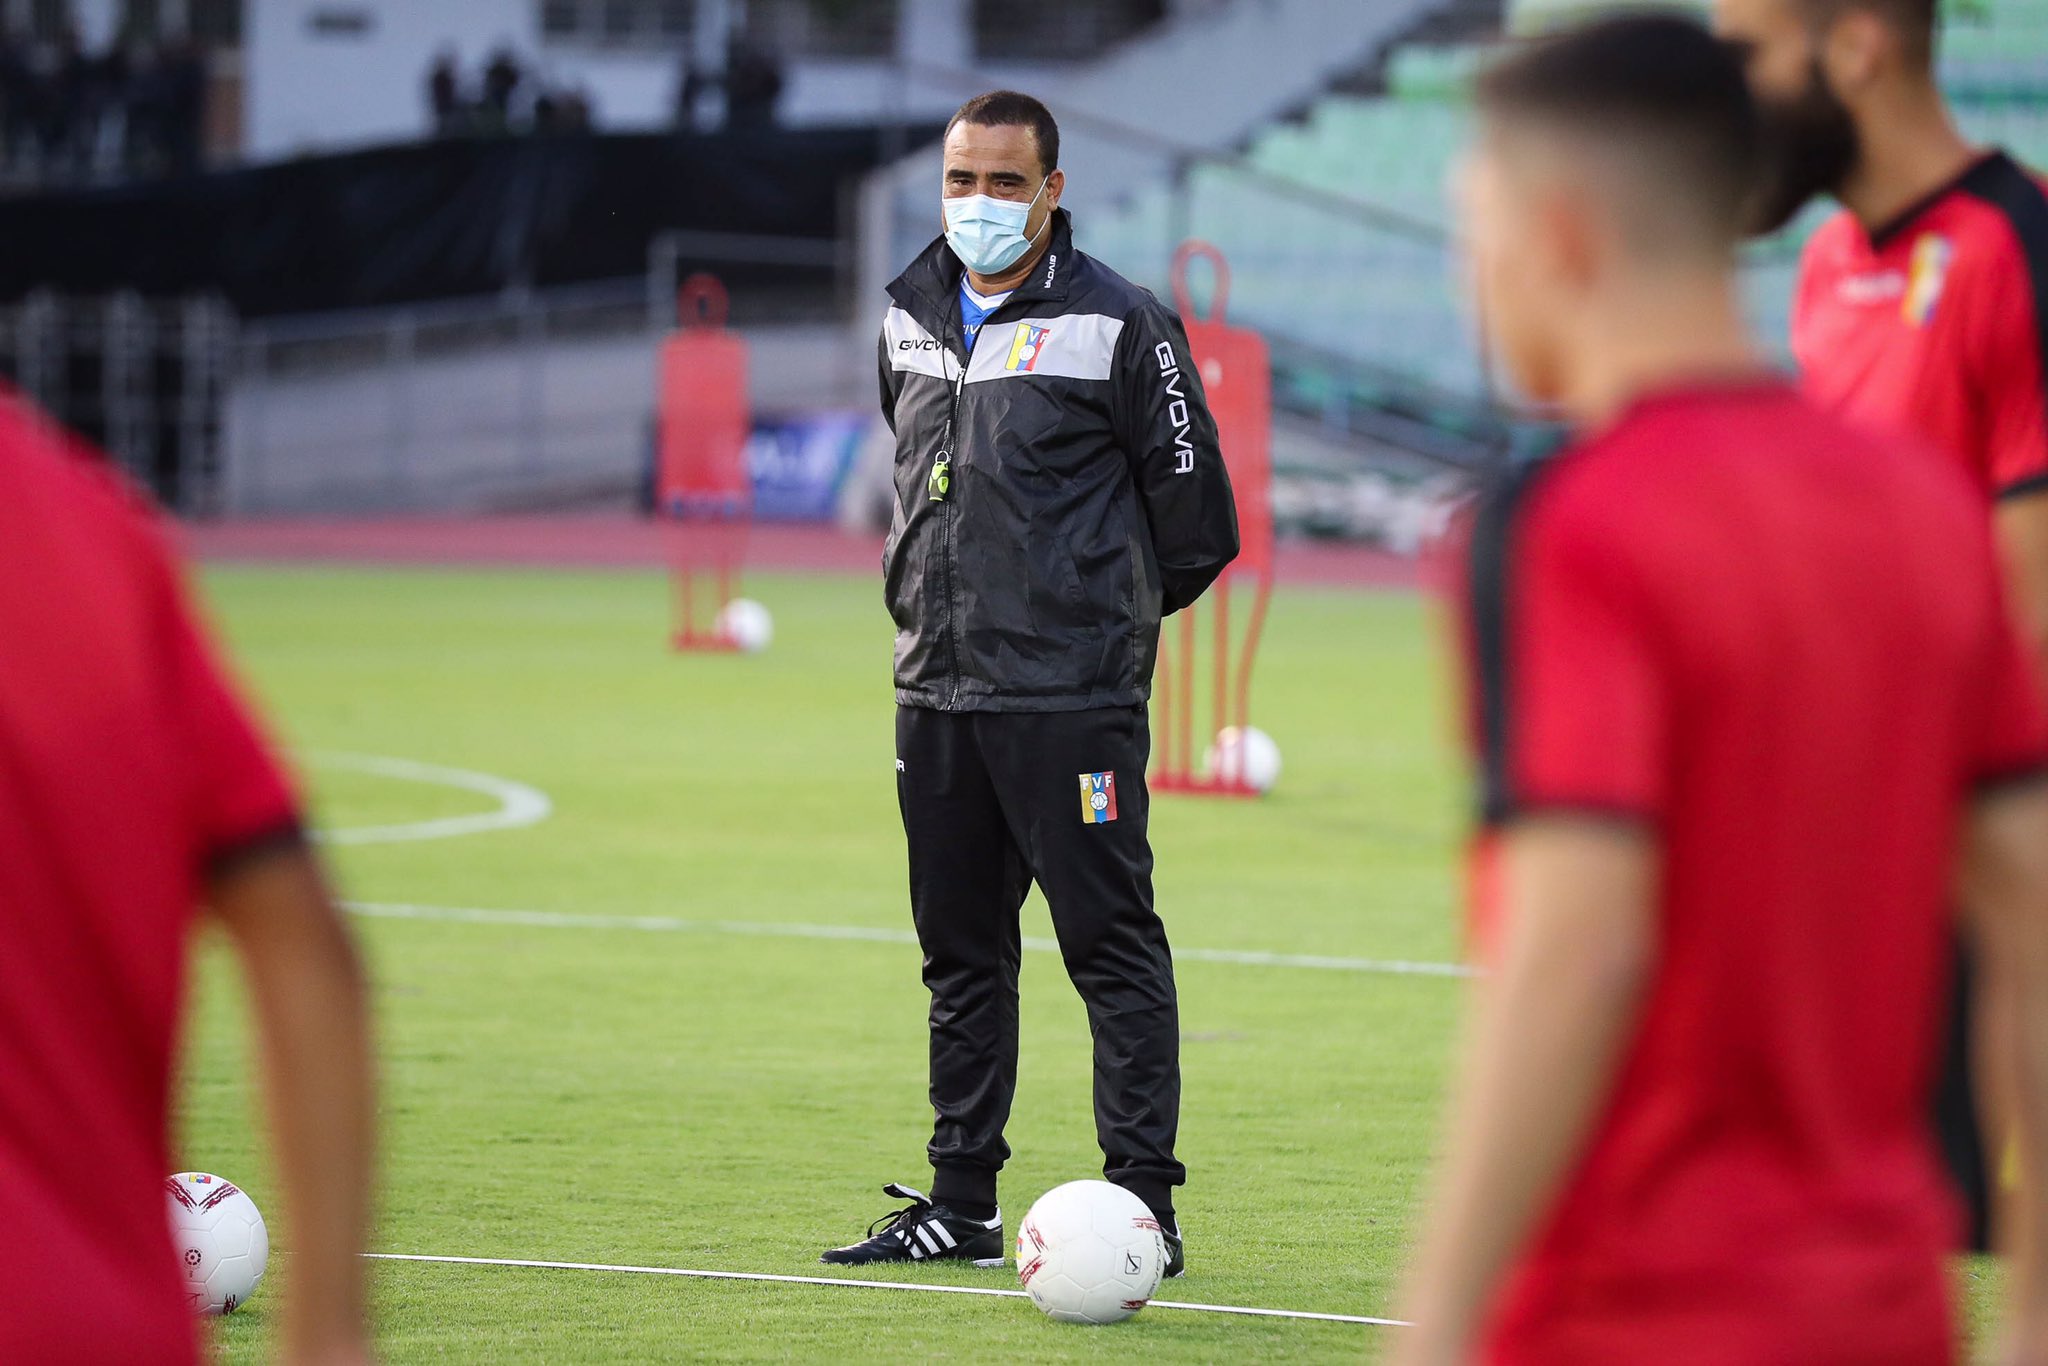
(630,542)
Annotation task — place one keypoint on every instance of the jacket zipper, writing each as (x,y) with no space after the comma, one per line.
(940,489)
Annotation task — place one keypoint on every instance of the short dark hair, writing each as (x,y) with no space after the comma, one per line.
(1013,109)
(1655,86)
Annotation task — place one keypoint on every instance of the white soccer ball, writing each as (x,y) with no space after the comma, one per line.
(1249,755)
(1090,1252)
(746,623)
(221,1243)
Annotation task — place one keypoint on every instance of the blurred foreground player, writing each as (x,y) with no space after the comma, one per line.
(133,787)
(1745,694)
(1918,309)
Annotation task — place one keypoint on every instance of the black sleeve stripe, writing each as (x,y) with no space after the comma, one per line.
(1604,812)
(1998,782)
(234,856)
(2007,187)
(2022,488)
(1492,551)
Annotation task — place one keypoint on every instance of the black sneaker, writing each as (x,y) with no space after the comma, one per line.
(923,1232)
(1176,1251)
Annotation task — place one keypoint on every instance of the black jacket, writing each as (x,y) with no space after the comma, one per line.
(1084,498)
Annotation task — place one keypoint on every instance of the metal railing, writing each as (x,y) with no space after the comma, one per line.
(522,400)
(531,397)
(145,380)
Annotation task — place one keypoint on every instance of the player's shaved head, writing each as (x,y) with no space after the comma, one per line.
(1648,112)
(1611,181)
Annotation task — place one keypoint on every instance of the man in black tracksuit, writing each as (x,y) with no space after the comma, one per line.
(1058,490)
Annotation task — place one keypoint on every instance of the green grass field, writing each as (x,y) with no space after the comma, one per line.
(698,1096)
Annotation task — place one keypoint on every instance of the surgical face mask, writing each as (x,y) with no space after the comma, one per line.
(987,234)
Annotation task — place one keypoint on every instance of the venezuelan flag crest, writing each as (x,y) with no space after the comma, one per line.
(1932,254)
(1026,348)
(1098,798)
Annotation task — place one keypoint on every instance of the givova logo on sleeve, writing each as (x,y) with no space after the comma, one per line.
(1178,416)
(1098,798)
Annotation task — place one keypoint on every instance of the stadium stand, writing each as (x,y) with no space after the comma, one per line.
(1336,226)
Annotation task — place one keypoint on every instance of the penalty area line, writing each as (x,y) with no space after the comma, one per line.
(990,1292)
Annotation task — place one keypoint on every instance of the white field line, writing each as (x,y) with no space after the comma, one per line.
(848,1283)
(663,924)
(518,804)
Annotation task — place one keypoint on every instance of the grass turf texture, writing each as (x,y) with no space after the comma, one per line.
(710,1100)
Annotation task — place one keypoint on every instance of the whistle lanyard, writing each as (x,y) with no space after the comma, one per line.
(940,481)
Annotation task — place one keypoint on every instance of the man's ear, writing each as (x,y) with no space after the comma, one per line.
(1567,240)
(1856,49)
(1055,186)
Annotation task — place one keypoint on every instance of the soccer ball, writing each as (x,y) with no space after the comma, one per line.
(746,623)
(1248,755)
(220,1240)
(1090,1252)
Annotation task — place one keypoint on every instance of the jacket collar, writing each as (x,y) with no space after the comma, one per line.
(926,290)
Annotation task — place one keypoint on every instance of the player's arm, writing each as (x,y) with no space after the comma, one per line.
(2022,522)
(2003,891)
(1546,1030)
(305,982)
(1164,423)
(2005,894)
(307,991)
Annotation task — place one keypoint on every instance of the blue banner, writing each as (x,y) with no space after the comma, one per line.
(799,464)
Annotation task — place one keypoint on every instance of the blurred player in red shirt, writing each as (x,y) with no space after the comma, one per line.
(1745,698)
(134,788)
(1918,310)
(1917,306)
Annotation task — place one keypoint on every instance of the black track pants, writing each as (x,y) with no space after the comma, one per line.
(992,802)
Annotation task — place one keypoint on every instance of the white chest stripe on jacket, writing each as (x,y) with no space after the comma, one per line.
(915,350)
(1071,346)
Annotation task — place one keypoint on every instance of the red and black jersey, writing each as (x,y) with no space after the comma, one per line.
(1777,643)
(1935,324)
(128,771)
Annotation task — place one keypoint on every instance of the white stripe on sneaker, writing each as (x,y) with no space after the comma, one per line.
(945,1234)
(924,1235)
